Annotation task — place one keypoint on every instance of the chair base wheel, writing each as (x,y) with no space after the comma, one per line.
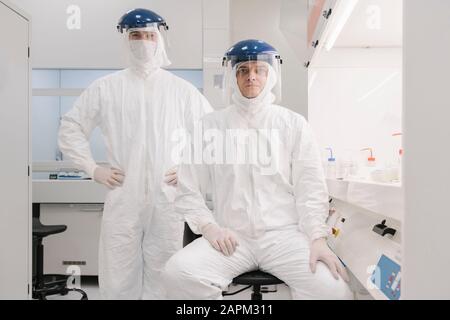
(53,284)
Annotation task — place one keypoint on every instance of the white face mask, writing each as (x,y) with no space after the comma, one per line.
(146,56)
(143,51)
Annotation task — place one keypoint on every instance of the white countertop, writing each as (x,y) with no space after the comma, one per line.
(68,191)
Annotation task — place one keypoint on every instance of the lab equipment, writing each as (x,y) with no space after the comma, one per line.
(382,229)
(387,277)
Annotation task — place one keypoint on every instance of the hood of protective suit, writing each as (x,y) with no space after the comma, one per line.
(147,56)
(265,98)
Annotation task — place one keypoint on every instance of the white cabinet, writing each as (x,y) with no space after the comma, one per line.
(77,247)
(15,229)
(79,206)
(319,11)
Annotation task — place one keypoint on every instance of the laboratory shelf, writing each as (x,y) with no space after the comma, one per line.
(382,198)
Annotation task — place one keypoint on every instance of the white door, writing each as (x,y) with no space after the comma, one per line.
(14,155)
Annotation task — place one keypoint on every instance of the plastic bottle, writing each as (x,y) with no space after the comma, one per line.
(331,165)
(369,165)
(353,165)
(346,166)
(397,174)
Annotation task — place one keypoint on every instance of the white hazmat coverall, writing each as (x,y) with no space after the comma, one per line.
(137,109)
(275,214)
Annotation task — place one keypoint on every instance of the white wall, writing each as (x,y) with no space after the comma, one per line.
(355,102)
(261,20)
(426,265)
(97,44)
(200,33)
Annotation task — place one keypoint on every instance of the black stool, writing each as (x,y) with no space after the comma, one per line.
(46,284)
(253,279)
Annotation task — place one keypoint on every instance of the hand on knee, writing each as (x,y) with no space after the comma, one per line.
(223,240)
(321,252)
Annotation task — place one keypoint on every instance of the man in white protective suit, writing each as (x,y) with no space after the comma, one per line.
(267,215)
(138,110)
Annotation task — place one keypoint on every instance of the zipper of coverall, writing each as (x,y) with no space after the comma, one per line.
(146,155)
(252,181)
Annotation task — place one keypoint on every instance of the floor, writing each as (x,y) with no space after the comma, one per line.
(90,286)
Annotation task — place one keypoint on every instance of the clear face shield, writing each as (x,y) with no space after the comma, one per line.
(146,46)
(256,78)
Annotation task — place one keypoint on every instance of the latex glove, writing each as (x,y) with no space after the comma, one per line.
(110,177)
(222,239)
(320,251)
(171,177)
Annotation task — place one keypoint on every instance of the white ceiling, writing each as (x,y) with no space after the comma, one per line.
(374,23)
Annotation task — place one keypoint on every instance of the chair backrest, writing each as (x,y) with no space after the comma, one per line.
(188,235)
(36,210)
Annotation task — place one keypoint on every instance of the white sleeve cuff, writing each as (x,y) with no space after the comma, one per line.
(89,169)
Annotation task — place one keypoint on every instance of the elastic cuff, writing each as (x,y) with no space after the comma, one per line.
(90,169)
(317,235)
(196,223)
(205,223)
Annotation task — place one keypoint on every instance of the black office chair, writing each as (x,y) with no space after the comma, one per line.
(254,279)
(47,284)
